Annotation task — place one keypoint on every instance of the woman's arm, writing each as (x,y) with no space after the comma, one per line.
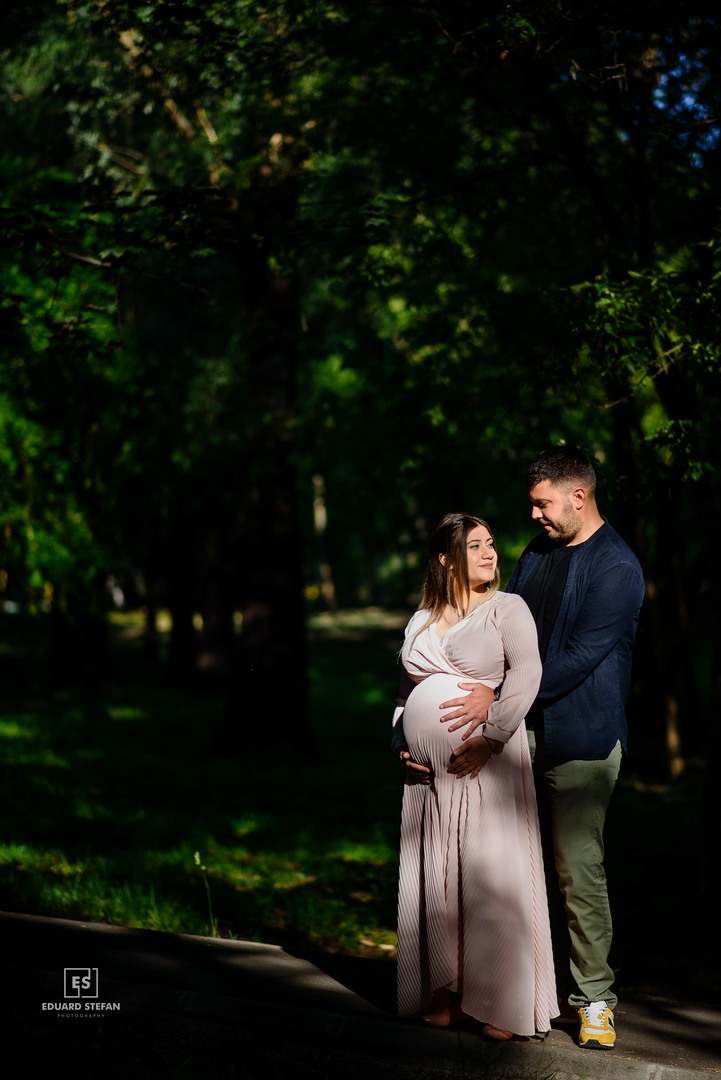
(502,710)
(421,773)
(523,671)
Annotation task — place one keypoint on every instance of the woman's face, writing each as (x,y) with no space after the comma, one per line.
(482,557)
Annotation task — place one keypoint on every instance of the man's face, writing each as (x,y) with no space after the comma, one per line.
(552,508)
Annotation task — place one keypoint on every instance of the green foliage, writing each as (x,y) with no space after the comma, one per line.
(254,252)
(654,333)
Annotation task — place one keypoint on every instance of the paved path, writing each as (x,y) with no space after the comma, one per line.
(174,1006)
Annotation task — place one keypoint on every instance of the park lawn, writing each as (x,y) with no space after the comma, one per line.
(119,807)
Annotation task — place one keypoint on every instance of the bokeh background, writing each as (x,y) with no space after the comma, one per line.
(281,284)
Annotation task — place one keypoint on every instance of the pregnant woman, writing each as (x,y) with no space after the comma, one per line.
(473,933)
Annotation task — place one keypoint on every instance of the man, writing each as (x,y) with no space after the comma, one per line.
(584,587)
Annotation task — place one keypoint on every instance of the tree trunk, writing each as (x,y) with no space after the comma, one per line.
(79,640)
(271,651)
(180,569)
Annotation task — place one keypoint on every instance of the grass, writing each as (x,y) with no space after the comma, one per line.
(107,798)
(116,807)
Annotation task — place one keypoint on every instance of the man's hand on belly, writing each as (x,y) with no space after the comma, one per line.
(471,709)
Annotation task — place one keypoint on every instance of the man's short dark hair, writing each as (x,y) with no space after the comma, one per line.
(562,466)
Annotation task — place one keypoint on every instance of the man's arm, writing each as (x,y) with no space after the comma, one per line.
(609,612)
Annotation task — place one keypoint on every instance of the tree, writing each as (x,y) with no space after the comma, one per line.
(386,251)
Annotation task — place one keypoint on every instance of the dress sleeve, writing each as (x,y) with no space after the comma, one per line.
(523,670)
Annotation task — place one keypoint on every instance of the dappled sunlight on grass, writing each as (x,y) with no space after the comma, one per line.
(38,757)
(14,729)
(248,825)
(127,712)
(292,879)
(25,858)
(373,854)
(108,797)
(365,620)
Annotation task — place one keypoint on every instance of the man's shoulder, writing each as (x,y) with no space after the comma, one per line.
(605,545)
(608,543)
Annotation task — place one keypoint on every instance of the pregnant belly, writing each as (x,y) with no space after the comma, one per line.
(428,739)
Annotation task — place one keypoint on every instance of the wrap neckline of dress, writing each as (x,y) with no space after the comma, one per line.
(441,637)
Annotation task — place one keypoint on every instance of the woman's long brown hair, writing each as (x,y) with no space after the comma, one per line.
(448,584)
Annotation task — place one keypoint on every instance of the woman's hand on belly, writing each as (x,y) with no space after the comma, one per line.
(469,759)
(421,774)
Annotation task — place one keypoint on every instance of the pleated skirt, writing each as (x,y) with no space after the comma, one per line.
(472,907)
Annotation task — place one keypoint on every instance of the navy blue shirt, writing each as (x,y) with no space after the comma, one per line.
(543,591)
(587,668)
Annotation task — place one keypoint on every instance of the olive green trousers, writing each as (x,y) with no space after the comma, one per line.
(573,799)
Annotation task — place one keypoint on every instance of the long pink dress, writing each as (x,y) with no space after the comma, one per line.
(472,908)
